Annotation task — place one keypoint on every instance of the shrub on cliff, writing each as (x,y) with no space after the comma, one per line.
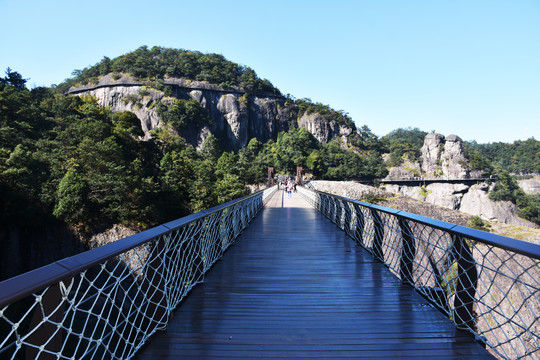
(507,189)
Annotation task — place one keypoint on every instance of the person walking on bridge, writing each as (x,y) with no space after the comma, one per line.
(289,189)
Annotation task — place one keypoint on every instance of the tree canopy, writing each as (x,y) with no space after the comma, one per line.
(159,63)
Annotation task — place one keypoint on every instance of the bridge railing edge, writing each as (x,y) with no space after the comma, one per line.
(487,284)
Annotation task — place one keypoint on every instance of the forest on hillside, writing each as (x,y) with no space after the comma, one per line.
(66,158)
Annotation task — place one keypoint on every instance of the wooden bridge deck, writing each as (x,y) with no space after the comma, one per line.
(294,286)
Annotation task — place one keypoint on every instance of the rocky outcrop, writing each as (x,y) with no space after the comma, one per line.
(128,98)
(431,154)
(443,157)
(322,129)
(473,200)
(477,202)
(236,116)
(530,186)
(348,189)
(453,159)
(434,200)
(408,171)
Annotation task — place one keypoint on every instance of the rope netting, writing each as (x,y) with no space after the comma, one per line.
(491,291)
(109,308)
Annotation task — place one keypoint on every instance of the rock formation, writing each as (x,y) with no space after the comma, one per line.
(443,157)
(473,200)
(322,129)
(236,116)
(530,186)
(431,155)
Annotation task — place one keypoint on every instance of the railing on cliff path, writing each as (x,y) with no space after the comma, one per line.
(106,303)
(487,284)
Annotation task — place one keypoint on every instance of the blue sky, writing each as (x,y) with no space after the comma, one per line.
(470,68)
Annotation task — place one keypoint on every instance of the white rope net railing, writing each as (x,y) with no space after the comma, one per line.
(107,302)
(487,284)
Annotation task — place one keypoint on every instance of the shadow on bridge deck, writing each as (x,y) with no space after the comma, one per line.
(295,286)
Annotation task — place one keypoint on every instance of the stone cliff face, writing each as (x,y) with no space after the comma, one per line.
(443,157)
(473,200)
(126,98)
(236,117)
(530,186)
(322,129)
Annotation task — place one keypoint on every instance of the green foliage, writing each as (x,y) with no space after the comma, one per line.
(244,100)
(159,63)
(476,160)
(13,79)
(126,123)
(315,163)
(529,208)
(365,139)
(403,144)
(520,157)
(202,190)
(477,223)
(371,197)
(183,113)
(68,158)
(424,192)
(228,185)
(507,189)
(293,149)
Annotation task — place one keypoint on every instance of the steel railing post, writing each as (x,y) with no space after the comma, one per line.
(408,252)
(467,279)
(378,236)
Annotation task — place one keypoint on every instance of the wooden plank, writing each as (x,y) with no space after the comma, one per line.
(295,286)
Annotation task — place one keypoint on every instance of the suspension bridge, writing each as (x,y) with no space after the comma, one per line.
(312,276)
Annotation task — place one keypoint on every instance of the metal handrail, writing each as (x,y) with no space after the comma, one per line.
(121,292)
(487,284)
(518,246)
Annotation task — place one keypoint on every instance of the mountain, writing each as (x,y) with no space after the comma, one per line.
(233,116)
(237,105)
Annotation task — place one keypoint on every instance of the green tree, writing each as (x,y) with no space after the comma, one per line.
(293,148)
(315,163)
(506,188)
(126,123)
(229,187)
(202,191)
(183,113)
(403,144)
(72,195)
(13,79)
(177,170)
(211,150)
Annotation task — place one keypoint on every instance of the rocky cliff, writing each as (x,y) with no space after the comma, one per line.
(530,186)
(442,157)
(473,200)
(455,203)
(236,117)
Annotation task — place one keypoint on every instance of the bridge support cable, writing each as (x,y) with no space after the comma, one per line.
(488,285)
(106,303)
